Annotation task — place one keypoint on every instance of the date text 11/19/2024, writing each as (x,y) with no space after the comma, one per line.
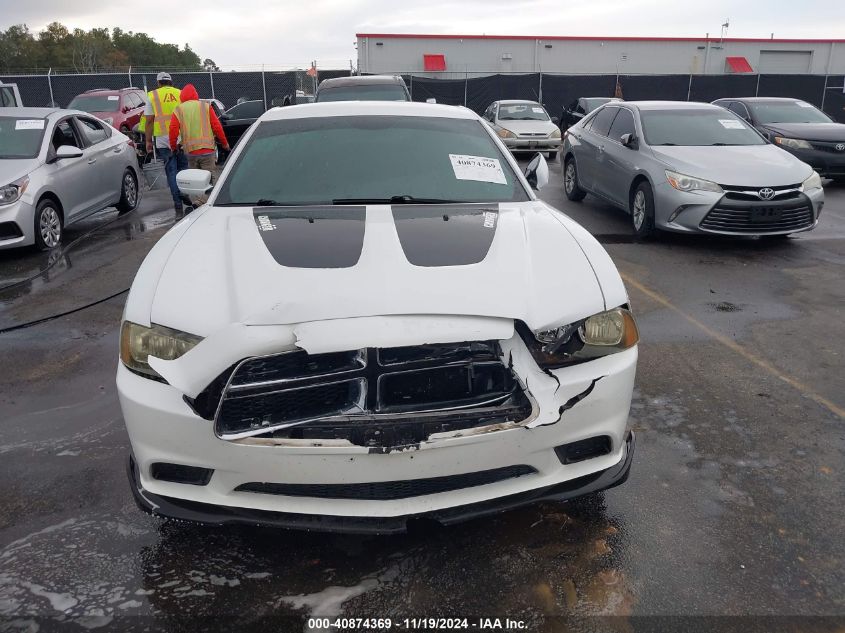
(415,624)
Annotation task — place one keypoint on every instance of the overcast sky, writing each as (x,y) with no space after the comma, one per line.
(245,32)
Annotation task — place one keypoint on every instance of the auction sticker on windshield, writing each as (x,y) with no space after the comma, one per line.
(478,168)
(731,124)
(29,124)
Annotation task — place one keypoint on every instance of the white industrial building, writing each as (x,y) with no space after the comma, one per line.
(452,56)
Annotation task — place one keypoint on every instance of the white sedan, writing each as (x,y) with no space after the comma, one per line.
(352,333)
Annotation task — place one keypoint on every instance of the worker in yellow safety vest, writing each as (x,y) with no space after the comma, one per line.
(161,103)
(196,124)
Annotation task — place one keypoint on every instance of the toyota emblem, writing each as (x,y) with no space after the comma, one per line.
(766,193)
(840,147)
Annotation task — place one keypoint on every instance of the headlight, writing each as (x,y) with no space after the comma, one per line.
(682,182)
(813,182)
(503,133)
(109,120)
(555,134)
(137,343)
(13,191)
(794,143)
(596,336)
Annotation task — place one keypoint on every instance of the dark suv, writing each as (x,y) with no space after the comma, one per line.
(363,88)
(121,108)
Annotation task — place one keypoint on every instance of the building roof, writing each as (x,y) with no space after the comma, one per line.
(595,38)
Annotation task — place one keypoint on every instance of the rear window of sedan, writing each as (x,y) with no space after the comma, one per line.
(20,137)
(697,127)
(374,92)
(322,159)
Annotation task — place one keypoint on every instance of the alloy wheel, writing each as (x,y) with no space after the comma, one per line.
(569,178)
(51,227)
(130,190)
(639,209)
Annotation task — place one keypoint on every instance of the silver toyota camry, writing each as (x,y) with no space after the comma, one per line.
(57,167)
(689,168)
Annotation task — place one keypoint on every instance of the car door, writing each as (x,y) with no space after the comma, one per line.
(592,140)
(73,180)
(105,155)
(616,168)
(238,118)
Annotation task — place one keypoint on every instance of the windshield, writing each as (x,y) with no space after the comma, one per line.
(373,92)
(697,127)
(522,112)
(95,103)
(20,137)
(593,103)
(787,112)
(370,159)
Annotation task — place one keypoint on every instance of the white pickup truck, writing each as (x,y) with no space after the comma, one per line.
(9,96)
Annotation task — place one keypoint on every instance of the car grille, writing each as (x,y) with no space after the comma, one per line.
(829,147)
(784,192)
(755,217)
(533,135)
(375,397)
(388,490)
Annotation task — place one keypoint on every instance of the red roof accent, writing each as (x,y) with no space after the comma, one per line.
(434,63)
(739,64)
(595,38)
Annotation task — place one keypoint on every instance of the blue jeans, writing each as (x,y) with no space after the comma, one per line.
(172,163)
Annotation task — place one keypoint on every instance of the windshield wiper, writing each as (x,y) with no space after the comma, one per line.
(395,200)
(261,202)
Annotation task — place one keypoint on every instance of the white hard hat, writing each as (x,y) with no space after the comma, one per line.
(163,77)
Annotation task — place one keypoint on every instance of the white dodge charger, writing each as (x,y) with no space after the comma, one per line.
(373,319)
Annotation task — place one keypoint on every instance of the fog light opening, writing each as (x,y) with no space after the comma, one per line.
(179,474)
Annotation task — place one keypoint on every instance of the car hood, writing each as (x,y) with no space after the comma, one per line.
(528,127)
(276,266)
(13,168)
(809,131)
(745,165)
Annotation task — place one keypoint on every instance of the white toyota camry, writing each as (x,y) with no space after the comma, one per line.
(373,319)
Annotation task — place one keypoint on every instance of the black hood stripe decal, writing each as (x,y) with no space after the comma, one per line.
(446,235)
(312,237)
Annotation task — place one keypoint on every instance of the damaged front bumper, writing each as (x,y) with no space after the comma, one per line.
(211,514)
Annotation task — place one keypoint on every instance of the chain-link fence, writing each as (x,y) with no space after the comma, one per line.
(228,87)
(554,90)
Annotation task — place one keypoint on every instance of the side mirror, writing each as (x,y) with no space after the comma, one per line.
(194,182)
(431,100)
(126,109)
(68,151)
(629,141)
(555,120)
(537,172)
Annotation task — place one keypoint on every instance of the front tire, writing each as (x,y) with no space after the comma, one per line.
(49,226)
(129,193)
(642,211)
(570,182)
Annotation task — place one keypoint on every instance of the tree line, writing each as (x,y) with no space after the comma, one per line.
(59,48)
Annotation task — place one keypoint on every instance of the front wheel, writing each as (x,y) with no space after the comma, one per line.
(642,211)
(48,225)
(128,193)
(570,182)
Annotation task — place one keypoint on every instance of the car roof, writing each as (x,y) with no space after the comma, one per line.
(35,113)
(670,105)
(108,90)
(361,79)
(373,108)
(608,98)
(517,101)
(760,99)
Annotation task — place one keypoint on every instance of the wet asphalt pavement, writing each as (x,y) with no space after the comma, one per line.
(735,505)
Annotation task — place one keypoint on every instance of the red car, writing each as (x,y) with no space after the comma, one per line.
(121,108)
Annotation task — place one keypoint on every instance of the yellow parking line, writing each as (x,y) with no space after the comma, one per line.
(739,349)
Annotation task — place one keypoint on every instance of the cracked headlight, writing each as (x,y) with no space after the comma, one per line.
(138,342)
(596,336)
(813,182)
(794,143)
(682,182)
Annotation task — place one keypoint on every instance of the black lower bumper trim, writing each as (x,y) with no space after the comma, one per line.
(170,507)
